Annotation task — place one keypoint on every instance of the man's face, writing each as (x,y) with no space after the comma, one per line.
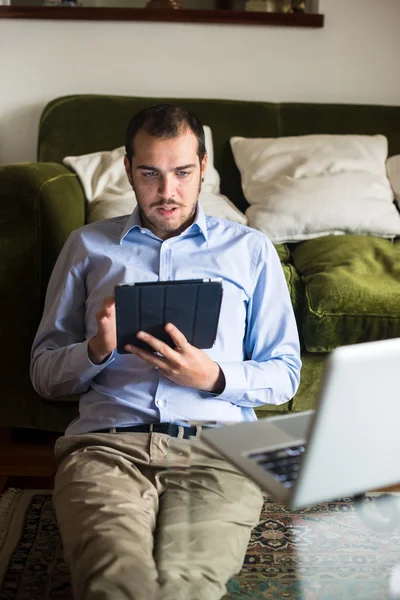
(165,175)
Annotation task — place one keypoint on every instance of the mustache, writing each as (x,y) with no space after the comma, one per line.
(170,203)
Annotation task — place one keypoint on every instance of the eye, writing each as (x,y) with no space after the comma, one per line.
(183,173)
(149,174)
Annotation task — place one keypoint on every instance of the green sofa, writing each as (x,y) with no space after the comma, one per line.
(345,289)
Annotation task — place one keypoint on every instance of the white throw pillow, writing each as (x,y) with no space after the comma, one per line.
(109,194)
(308,186)
(393,172)
(218,205)
(102,175)
(211,180)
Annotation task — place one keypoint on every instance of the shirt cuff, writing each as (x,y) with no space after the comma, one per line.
(83,366)
(235,381)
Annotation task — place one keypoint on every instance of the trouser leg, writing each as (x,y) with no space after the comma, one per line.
(106,510)
(206,516)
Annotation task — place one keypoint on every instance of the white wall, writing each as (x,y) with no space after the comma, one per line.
(354,59)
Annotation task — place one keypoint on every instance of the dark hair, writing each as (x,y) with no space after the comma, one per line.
(164,121)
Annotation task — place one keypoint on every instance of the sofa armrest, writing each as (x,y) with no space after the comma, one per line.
(40,204)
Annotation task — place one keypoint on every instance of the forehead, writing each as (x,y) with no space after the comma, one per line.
(149,148)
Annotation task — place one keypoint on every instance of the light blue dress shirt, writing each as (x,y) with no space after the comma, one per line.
(257,345)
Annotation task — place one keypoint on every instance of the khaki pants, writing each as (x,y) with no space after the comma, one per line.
(150,517)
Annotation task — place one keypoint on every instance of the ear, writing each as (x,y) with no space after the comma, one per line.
(128,169)
(203,165)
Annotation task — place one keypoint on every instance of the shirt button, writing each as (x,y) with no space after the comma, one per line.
(158,402)
(142,231)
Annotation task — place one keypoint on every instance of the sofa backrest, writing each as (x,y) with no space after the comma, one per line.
(74,125)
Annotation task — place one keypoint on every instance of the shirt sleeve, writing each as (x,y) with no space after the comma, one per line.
(271,374)
(60,364)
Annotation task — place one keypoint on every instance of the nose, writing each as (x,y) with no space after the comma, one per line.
(166,187)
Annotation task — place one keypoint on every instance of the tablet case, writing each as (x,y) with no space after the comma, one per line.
(193,306)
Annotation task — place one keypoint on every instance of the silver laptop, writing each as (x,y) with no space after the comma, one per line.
(350,444)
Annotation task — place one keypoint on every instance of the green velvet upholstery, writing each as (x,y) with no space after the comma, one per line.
(283,252)
(302,119)
(41,203)
(311,377)
(352,290)
(34,222)
(296,290)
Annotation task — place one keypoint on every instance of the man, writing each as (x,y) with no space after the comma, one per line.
(126,481)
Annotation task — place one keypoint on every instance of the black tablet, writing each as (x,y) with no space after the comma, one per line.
(192,305)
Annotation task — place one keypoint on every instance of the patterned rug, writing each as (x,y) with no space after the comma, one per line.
(328,552)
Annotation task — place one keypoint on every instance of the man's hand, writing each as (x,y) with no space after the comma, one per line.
(105,341)
(184,364)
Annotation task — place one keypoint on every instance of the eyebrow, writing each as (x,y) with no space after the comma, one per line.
(148,168)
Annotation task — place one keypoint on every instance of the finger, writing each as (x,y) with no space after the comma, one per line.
(109,306)
(152,359)
(156,344)
(177,336)
(103,315)
(109,302)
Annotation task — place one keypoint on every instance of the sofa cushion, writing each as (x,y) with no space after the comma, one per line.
(283,252)
(352,290)
(296,291)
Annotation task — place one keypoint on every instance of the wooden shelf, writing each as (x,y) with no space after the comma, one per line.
(229,17)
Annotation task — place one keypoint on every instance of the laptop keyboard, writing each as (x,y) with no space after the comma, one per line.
(283,464)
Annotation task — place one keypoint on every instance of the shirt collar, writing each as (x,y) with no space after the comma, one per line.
(132,221)
(200,223)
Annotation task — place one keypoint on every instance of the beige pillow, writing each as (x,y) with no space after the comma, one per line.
(393,172)
(304,187)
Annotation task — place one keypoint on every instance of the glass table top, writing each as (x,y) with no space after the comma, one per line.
(336,550)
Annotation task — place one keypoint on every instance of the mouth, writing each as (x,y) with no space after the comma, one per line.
(168,211)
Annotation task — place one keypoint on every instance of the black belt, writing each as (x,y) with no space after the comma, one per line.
(167,428)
